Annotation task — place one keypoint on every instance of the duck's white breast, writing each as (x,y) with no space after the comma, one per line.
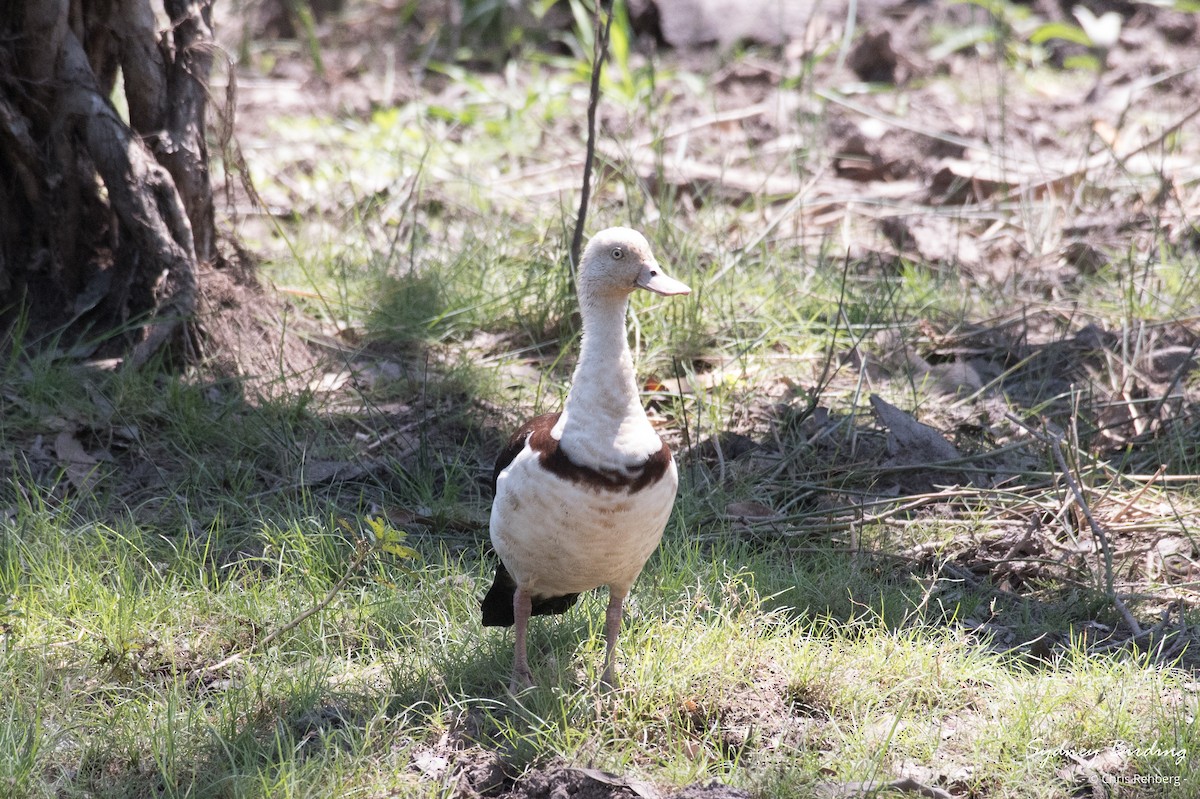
(561,535)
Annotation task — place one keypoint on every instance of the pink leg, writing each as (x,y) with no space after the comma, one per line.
(612,629)
(521,676)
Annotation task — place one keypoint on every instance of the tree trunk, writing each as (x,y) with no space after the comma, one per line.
(104,222)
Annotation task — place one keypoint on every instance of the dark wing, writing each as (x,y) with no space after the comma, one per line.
(516,443)
(497,606)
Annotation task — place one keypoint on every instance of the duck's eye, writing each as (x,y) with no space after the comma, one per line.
(618,253)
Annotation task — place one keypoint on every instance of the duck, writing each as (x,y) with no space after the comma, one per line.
(582,495)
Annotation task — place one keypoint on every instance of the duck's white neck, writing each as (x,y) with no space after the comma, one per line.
(603,424)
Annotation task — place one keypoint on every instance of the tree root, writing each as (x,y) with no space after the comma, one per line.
(128,251)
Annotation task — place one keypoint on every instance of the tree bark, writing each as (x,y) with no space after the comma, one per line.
(103,222)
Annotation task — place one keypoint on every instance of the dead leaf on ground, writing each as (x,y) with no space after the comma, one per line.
(938,239)
(748,511)
(639,787)
(911,443)
(916,450)
(430,764)
(80,467)
(329,381)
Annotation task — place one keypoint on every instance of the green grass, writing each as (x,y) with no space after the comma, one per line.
(780,656)
(733,667)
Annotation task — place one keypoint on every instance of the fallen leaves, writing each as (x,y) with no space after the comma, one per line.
(748,511)
(922,457)
(78,464)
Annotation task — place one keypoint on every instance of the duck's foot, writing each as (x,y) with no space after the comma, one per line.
(521,680)
(609,680)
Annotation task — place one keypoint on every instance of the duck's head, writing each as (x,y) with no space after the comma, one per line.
(618,261)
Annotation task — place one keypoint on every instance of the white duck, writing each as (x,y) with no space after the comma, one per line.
(582,496)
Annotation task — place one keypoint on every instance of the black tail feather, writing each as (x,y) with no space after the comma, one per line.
(497,605)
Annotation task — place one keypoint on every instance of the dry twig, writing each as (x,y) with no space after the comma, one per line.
(1054,442)
(599,52)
